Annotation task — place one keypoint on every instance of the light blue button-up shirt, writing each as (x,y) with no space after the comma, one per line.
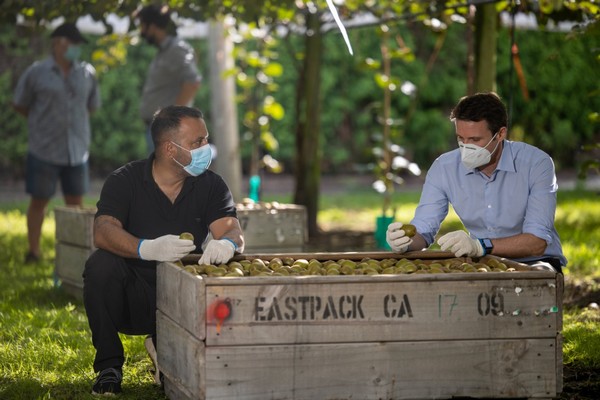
(519,197)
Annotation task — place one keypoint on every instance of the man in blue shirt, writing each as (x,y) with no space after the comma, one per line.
(57,96)
(504,193)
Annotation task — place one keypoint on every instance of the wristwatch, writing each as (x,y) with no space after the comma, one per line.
(487,245)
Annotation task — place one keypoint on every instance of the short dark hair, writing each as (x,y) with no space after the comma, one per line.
(156,14)
(166,122)
(486,106)
(69,31)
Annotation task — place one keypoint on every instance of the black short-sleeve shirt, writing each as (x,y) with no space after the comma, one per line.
(131,196)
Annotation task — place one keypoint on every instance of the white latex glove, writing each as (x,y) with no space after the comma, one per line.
(217,252)
(165,248)
(396,237)
(461,244)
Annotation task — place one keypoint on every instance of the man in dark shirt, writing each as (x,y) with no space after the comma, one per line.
(143,207)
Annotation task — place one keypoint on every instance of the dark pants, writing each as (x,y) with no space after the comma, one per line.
(118,297)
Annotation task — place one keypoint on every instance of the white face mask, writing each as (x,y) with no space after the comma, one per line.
(473,156)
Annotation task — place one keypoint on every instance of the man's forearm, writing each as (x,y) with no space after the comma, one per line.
(519,246)
(237,236)
(418,243)
(187,93)
(111,237)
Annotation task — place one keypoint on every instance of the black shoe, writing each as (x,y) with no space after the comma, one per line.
(108,382)
(150,347)
(31,258)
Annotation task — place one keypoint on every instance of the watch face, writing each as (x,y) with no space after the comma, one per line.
(488,244)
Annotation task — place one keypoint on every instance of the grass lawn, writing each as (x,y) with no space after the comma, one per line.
(45,344)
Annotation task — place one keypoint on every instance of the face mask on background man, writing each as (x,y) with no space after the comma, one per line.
(73,52)
(148,38)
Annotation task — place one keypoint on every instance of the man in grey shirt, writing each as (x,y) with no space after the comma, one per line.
(173,77)
(57,96)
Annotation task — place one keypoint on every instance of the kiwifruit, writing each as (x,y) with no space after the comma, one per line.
(186,236)
(409,230)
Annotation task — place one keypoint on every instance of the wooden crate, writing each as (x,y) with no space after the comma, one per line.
(495,335)
(273,227)
(74,244)
(75,225)
(70,262)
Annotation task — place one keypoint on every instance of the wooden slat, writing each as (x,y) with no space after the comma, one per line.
(182,296)
(330,279)
(396,310)
(560,287)
(180,357)
(73,289)
(274,249)
(74,225)
(70,263)
(392,370)
(168,290)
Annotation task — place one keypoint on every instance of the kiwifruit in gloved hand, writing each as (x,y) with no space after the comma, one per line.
(409,230)
(187,236)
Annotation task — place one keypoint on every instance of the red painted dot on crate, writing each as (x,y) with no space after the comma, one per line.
(223,310)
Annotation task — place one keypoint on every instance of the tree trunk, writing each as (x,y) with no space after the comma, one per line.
(224,130)
(308,104)
(486,32)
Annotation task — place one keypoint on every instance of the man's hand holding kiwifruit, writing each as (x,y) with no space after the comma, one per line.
(398,236)
(165,248)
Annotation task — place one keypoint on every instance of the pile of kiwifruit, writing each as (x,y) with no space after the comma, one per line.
(287,266)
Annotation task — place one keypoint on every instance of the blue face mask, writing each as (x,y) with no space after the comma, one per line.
(201,158)
(73,52)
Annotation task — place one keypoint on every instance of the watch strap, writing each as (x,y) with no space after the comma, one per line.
(487,245)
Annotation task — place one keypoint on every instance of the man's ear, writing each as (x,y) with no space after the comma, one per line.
(169,148)
(502,133)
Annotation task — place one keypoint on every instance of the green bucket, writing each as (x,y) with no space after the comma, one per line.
(381,225)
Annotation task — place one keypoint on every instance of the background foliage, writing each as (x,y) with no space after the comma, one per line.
(561,69)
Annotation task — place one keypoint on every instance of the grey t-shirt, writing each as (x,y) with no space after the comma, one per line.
(173,65)
(58,118)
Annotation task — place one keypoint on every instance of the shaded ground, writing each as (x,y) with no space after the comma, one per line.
(581,294)
(580,384)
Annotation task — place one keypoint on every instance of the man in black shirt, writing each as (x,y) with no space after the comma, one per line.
(143,208)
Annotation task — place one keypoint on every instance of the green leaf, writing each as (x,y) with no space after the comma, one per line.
(273,109)
(273,69)
(269,142)
(254,60)
(370,63)
(382,80)
(245,81)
